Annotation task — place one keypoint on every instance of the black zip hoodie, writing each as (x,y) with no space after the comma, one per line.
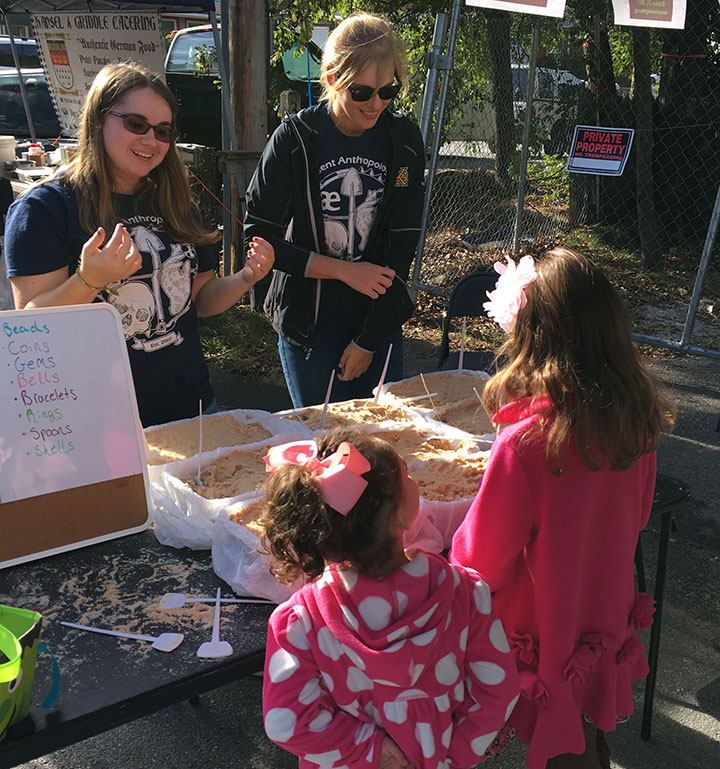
(283,206)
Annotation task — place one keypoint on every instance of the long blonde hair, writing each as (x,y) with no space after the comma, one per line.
(573,343)
(353,44)
(166,187)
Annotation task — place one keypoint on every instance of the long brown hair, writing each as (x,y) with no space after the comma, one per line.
(166,187)
(573,343)
(353,44)
(303,533)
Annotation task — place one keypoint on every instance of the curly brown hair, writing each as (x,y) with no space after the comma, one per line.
(303,533)
(573,343)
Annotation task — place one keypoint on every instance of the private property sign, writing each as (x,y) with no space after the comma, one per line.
(599,150)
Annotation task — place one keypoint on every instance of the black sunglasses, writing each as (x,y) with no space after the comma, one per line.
(138,124)
(366,92)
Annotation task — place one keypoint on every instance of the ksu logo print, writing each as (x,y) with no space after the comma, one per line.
(402,177)
(61,63)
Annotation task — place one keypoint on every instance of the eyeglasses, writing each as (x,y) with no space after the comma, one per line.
(366,92)
(138,124)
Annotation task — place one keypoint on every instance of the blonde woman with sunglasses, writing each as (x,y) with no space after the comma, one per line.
(338,192)
(119,224)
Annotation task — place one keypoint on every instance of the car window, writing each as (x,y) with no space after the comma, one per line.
(181,57)
(26,50)
(544,85)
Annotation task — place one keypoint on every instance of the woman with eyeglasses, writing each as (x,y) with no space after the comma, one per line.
(338,192)
(118,224)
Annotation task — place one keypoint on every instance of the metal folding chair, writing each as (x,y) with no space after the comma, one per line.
(466,301)
(669,495)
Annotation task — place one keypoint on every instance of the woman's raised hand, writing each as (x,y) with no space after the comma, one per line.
(258,261)
(116,260)
(368,278)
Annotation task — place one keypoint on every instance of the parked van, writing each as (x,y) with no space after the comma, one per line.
(555,98)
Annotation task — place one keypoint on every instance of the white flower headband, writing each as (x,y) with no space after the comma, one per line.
(509,298)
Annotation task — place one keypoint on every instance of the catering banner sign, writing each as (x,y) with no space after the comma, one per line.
(599,150)
(74,46)
(650,13)
(536,7)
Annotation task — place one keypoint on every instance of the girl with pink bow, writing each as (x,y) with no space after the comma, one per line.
(568,487)
(382,659)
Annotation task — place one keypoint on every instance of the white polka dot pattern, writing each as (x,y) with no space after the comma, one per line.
(459,692)
(401,600)
(418,567)
(480,744)
(483,601)
(376,612)
(424,735)
(280,724)
(412,694)
(417,670)
(328,758)
(327,678)
(488,672)
(497,637)
(353,656)
(442,703)
(400,632)
(282,666)
(302,614)
(446,670)
(425,618)
(511,706)
(447,736)
(364,732)
(357,681)
(349,578)
(296,635)
(424,638)
(396,712)
(328,644)
(353,708)
(321,721)
(350,618)
(462,641)
(310,692)
(395,647)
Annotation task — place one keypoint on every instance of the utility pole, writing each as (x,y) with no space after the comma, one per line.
(248,49)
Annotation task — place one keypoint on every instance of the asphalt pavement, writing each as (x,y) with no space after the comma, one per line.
(225,728)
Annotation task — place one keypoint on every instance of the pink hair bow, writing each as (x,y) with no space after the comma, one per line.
(339,474)
(509,298)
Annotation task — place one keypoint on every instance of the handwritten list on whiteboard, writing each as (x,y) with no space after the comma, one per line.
(68,415)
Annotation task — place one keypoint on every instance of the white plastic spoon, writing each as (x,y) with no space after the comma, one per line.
(427,392)
(327,400)
(382,376)
(462,350)
(215,647)
(165,642)
(177,600)
(197,477)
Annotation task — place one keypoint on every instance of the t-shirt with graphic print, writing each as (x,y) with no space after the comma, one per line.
(353,173)
(159,320)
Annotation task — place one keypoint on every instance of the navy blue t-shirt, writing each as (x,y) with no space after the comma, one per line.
(159,320)
(353,173)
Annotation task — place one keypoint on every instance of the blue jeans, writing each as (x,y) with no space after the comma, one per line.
(307,380)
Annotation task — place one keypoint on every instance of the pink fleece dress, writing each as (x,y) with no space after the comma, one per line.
(419,654)
(557,553)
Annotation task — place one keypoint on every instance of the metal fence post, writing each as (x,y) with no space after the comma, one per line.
(526,139)
(446,65)
(702,269)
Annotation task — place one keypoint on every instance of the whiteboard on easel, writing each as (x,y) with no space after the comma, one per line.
(71,442)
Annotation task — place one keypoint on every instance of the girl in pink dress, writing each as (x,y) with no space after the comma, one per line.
(568,487)
(382,659)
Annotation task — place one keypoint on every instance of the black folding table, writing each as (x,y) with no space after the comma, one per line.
(107,681)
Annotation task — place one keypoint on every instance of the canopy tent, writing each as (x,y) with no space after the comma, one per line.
(17,11)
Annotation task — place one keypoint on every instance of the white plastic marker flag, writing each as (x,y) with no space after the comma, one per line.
(650,13)
(537,7)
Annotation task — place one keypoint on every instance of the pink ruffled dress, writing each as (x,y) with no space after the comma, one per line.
(558,553)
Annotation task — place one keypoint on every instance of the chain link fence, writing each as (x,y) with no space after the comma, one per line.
(656,214)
